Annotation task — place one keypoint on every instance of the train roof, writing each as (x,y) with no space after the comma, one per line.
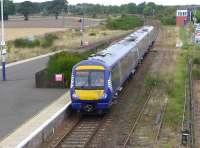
(111,55)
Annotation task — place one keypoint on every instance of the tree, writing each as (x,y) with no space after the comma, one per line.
(140,8)
(132,8)
(147,10)
(26,8)
(57,7)
(197,15)
(9,8)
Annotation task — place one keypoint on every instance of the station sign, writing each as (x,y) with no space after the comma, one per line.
(3,51)
(58,77)
(198,34)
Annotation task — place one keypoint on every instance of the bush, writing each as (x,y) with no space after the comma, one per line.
(196,73)
(169,20)
(23,43)
(104,33)
(92,34)
(48,40)
(196,60)
(124,22)
(45,42)
(186,46)
(62,63)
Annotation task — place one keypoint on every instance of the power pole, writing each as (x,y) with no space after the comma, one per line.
(82,26)
(3,45)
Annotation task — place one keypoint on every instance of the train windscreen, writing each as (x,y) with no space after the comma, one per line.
(89,79)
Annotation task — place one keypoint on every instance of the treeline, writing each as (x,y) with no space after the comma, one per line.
(57,7)
(26,8)
(124,22)
(166,14)
(197,15)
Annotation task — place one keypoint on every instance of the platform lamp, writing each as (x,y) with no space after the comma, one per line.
(3,45)
(82,25)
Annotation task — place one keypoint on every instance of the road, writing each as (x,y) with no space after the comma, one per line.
(19,99)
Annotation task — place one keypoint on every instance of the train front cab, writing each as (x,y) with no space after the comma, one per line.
(91,88)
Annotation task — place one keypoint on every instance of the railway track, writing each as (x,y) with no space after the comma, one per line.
(163,110)
(132,137)
(91,132)
(191,106)
(85,129)
(136,122)
(81,134)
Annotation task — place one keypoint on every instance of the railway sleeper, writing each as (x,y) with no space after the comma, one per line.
(79,139)
(72,146)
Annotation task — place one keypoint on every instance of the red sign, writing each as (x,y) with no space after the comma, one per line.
(198,34)
(59,77)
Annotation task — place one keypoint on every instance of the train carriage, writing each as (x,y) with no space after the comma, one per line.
(96,80)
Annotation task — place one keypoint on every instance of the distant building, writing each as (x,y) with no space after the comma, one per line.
(184,15)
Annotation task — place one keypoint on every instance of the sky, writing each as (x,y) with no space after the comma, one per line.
(119,2)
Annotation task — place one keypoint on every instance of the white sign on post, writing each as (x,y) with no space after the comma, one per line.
(4,52)
(59,77)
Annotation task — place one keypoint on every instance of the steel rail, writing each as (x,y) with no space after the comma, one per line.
(161,121)
(136,121)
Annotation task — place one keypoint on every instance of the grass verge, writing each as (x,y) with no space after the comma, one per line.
(176,92)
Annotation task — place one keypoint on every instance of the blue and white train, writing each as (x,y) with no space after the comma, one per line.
(95,81)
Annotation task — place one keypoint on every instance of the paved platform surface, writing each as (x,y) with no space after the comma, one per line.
(19,99)
(28,129)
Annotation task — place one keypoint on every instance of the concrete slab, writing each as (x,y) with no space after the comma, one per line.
(19,99)
(34,126)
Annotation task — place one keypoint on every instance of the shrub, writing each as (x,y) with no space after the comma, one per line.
(196,73)
(45,42)
(23,43)
(124,22)
(168,20)
(92,34)
(196,60)
(104,33)
(62,63)
(48,40)
(186,45)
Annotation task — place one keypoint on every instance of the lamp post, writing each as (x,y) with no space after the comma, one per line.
(3,49)
(82,26)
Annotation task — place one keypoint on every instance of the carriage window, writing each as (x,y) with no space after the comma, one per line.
(82,78)
(97,78)
(88,79)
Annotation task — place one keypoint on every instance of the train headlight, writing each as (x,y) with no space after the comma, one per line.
(75,97)
(104,96)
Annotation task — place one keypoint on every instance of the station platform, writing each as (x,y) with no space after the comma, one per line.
(21,136)
(19,99)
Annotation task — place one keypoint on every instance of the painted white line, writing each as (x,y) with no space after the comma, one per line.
(31,59)
(38,130)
